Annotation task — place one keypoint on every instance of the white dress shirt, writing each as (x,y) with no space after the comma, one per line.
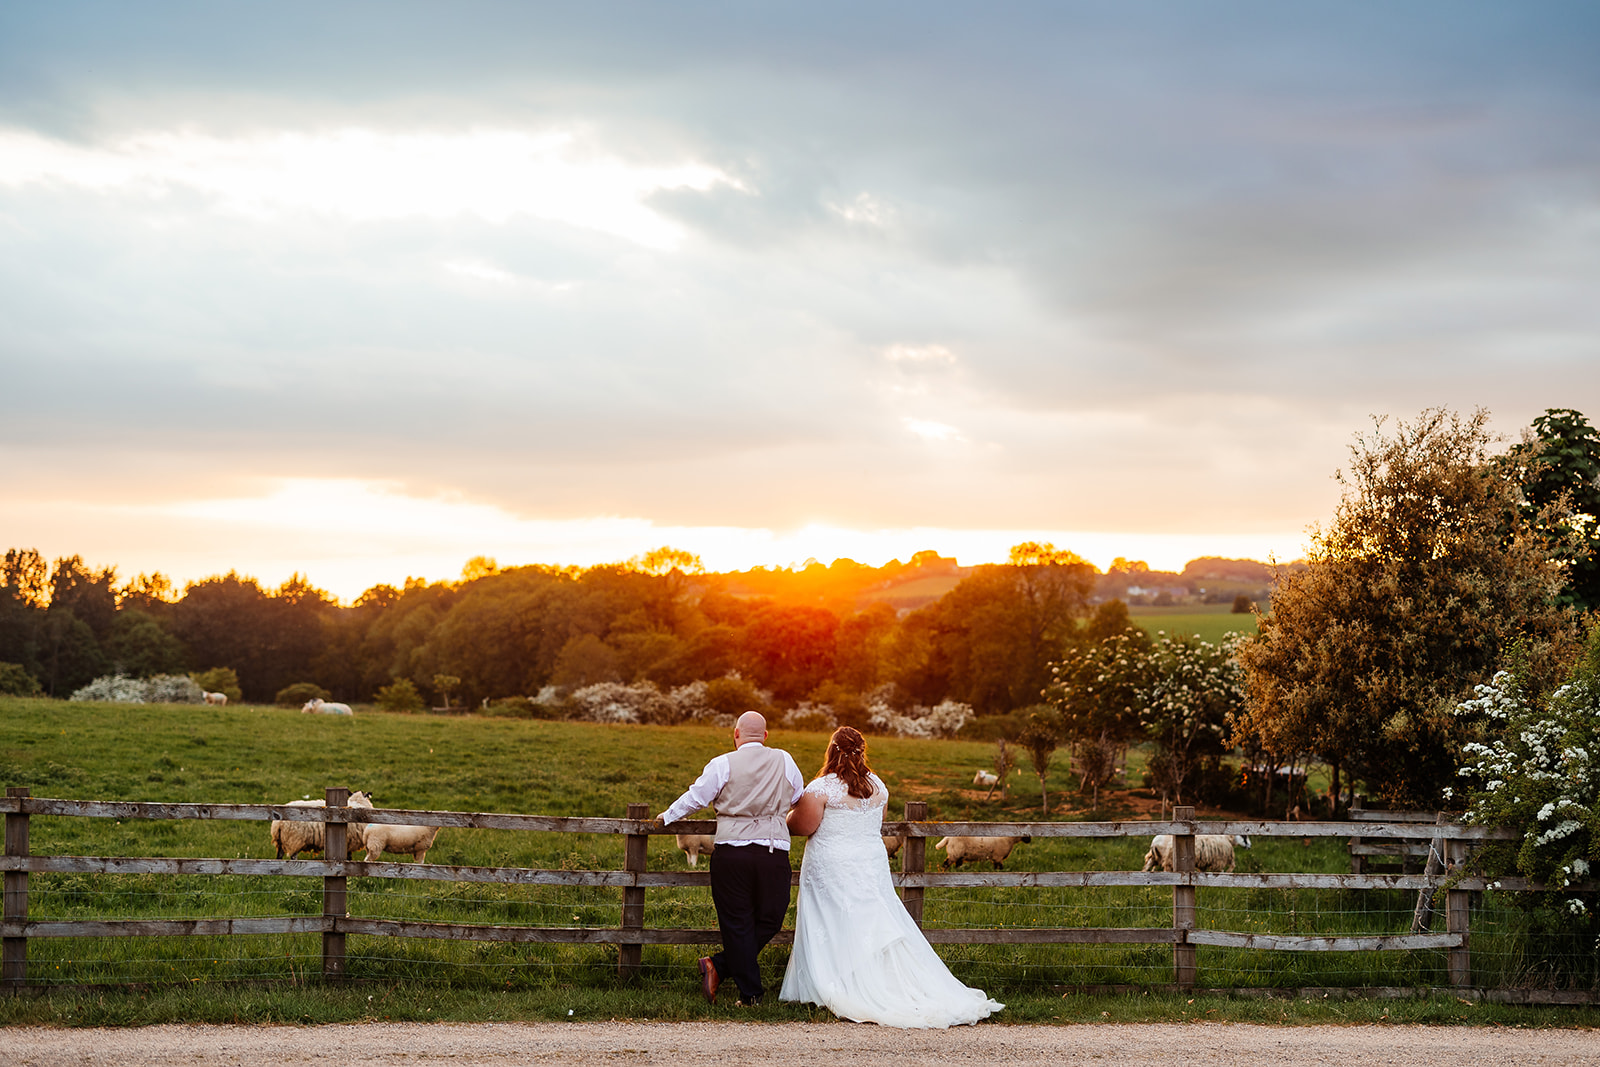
(715,776)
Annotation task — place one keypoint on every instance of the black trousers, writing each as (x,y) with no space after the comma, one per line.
(750,887)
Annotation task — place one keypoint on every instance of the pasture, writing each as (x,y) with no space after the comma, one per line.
(1210,624)
(253,754)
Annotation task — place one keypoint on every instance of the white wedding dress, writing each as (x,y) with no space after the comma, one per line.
(856,951)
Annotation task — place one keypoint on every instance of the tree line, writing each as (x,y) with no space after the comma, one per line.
(1444,558)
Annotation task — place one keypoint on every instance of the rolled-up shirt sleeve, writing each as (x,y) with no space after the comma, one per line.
(704,790)
(796,779)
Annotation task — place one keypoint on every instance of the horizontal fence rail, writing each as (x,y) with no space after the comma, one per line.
(1443,840)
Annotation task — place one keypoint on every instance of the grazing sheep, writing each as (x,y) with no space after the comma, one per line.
(986,779)
(398,839)
(958,850)
(1212,852)
(891,845)
(291,838)
(695,845)
(318,706)
(218,699)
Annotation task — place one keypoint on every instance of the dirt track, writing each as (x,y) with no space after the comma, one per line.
(810,1045)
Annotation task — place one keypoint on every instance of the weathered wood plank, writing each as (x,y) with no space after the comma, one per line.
(1371,815)
(1293,943)
(580,935)
(1052,935)
(310,924)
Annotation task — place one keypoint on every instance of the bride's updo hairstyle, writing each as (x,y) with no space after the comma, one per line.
(847,757)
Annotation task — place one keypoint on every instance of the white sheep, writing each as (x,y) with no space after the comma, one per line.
(891,845)
(318,706)
(986,779)
(290,838)
(218,699)
(696,845)
(399,839)
(1212,852)
(958,850)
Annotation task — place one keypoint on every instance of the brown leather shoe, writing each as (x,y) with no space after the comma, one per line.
(709,979)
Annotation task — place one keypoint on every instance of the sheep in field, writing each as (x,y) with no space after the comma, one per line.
(1212,852)
(958,850)
(398,839)
(695,845)
(985,779)
(291,838)
(318,706)
(891,845)
(218,699)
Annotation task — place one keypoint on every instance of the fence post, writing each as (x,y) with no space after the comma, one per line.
(1422,914)
(1458,918)
(335,842)
(1183,900)
(14,969)
(914,860)
(1358,862)
(635,851)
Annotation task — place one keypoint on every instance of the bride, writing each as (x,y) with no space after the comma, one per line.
(856,951)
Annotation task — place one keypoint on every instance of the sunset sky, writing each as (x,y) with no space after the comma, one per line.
(362,290)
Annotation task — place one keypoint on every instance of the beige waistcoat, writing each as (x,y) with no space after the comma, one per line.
(752,806)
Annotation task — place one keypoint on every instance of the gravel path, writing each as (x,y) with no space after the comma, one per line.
(810,1045)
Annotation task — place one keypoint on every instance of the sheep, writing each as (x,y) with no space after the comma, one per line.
(891,845)
(290,838)
(695,845)
(958,850)
(325,707)
(1212,852)
(986,779)
(219,699)
(398,839)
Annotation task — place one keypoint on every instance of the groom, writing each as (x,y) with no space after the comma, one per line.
(752,788)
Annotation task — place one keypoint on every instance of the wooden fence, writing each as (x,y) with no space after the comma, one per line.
(1448,840)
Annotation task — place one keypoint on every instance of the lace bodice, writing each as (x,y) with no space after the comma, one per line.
(835,794)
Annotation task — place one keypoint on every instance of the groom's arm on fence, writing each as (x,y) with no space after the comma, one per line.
(702,793)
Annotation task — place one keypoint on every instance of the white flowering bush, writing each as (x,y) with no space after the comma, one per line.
(640,702)
(1534,768)
(160,689)
(1195,689)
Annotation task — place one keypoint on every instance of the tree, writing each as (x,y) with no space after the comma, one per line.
(1196,690)
(1098,689)
(1426,573)
(1558,466)
(1041,737)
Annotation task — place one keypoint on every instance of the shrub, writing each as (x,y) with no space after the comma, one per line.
(522,708)
(733,695)
(399,695)
(120,689)
(296,695)
(222,680)
(16,682)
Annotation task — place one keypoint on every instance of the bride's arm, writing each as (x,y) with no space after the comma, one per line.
(806,815)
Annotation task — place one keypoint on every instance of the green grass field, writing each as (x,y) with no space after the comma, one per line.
(258,754)
(1210,625)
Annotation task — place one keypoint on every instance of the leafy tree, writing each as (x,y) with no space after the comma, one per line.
(1425,575)
(1242,605)
(1099,689)
(1196,690)
(1040,738)
(17,682)
(222,680)
(1558,465)
(138,645)
(585,660)
(790,650)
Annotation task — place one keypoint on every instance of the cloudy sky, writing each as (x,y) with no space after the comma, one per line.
(361,290)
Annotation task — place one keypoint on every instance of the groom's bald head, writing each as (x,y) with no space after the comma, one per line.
(752,726)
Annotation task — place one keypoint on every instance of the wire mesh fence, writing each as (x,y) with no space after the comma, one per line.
(1512,945)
